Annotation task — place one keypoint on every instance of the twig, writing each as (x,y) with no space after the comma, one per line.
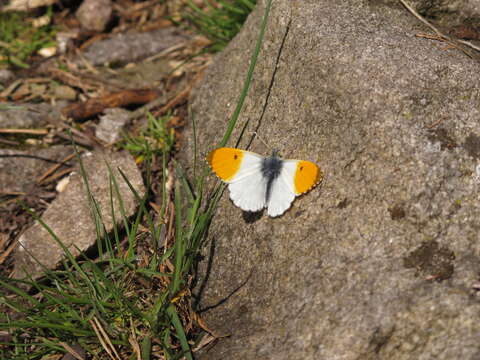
(5,45)
(3,240)
(9,142)
(72,351)
(85,62)
(422,19)
(76,139)
(182,95)
(434,124)
(11,88)
(439,38)
(147,107)
(132,339)
(104,339)
(24,131)
(165,52)
(71,80)
(162,100)
(469,44)
(7,252)
(439,33)
(54,168)
(94,106)
(57,175)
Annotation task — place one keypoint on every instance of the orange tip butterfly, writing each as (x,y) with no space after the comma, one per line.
(256,182)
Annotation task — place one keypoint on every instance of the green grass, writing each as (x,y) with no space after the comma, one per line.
(133,299)
(130,294)
(218,20)
(19,39)
(153,140)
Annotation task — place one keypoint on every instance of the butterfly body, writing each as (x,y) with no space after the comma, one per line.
(256,182)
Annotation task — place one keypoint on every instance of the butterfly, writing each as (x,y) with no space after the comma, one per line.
(256,181)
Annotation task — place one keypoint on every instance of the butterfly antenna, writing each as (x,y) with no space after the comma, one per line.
(263,142)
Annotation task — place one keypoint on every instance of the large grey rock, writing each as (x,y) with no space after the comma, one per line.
(124,48)
(380,261)
(70,214)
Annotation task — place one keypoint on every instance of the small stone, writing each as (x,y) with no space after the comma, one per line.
(94,14)
(63,92)
(41,21)
(111,124)
(47,51)
(62,184)
(6,76)
(65,38)
(38,89)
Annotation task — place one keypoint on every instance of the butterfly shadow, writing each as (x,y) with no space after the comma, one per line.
(202,285)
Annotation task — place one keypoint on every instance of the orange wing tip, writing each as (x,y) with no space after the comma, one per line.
(225,162)
(307,176)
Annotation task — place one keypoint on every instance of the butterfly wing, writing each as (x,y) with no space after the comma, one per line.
(296,177)
(242,170)
(282,192)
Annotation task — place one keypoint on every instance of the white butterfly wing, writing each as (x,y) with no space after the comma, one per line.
(283,189)
(248,188)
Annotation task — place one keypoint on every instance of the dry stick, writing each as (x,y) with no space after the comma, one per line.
(9,142)
(71,351)
(103,337)
(78,134)
(106,337)
(439,38)
(206,340)
(469,44)
(76,139)
(420,17)
(99,336)
(57,175)
(85,62)
(24,131)
(38,80)
(162,100)
(182,95)
(7,252)
(71,80)
(55,168)
(3,240)
(439,33)
(149,106)
(5,45)
(11,88)
(132,339)
(13,193)
(166,52)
